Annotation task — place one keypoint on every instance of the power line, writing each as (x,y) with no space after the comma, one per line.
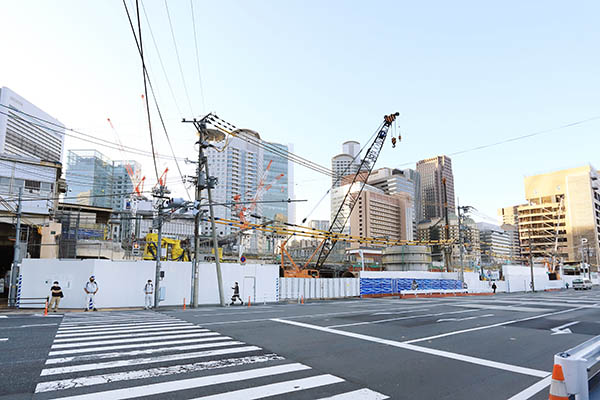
(516,138)
(197,56)
(178,58)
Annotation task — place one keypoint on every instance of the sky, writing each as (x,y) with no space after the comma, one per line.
(314,73)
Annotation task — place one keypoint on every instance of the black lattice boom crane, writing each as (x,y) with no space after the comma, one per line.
(351,198)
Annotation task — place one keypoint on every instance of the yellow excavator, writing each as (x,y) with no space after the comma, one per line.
(173,252)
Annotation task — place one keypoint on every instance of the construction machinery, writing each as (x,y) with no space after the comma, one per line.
(171,249)
(361,176)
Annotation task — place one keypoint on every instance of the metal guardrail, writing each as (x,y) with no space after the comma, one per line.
(32,301)
(580,365)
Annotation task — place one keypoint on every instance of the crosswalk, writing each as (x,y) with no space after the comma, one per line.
(124,355)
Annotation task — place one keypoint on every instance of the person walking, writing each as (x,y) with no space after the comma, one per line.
(148,294)
(494,287)
(414,285)
(90,289)
(236,294)
(57,294)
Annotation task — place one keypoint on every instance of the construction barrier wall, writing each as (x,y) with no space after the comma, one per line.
(318,288)
(121,283)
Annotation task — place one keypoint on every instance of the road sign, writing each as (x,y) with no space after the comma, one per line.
(243,259)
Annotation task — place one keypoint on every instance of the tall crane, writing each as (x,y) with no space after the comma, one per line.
(351,198)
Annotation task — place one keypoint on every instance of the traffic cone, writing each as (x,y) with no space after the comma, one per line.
(184,304)
(302,302)
(558,387)
(46,309)
(248,301)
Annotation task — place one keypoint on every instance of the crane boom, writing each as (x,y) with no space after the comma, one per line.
(350,199)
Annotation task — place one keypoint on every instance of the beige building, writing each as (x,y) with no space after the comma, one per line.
(379,215)
(563,208)
(509,215)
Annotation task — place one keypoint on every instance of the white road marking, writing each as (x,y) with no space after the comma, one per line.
(80,328)
(560,330)
(103,356)
(137,334)
(203,333)
(464,319)
(440,353)
(149,360)
(3,316)
(361,394)
(400,318)
(401,312)
(533,389)
(128,346)
(64,384)
(489,326)
(183,384)
(3,339)
(93,332)
(274,389)
(503,308)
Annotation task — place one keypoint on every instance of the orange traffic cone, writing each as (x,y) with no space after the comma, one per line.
(558,387)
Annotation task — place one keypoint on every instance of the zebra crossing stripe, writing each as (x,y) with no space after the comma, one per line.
(275,389)
(172,386)
(103,356)
(131,335)
(361,394)
(152,373)
(106,320)
(128,346)
(96,332)
(103,326)
(202,333)
(149,360)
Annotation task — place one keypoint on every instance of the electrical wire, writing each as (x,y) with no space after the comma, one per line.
(197,56)
(178,58)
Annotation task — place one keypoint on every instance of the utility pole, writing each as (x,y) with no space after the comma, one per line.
(531,259)
(16,265)
(195,263)
(448,245)
(160,195)
(208,183)
(460,243)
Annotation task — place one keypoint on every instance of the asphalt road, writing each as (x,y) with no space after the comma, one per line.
(492,347)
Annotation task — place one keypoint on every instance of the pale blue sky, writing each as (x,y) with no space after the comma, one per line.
(318,73)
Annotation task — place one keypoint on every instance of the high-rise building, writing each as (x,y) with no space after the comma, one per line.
(345,163)
(319,224)
(279,181)
(95,180)
(495,244)
(239,166)
(395,181)
(563,210)
(27,131)
(431,172)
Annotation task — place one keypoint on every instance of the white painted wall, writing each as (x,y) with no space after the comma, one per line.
(121,283)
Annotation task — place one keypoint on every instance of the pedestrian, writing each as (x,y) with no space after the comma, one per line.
(414,285)
(90,289)
(494,287)
(567,285)
(148,292)
(57,294)
(236,294)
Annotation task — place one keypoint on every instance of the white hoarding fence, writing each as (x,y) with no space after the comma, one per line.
(318,288)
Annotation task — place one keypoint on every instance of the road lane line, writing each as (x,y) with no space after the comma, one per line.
(102,356)
(128,346)
(441,353)
(489,326)
(64,384)
(361,394)
(124,335)
(96,332)
(533,389)
(149,360)
(274,389)
(203,333)
(380,321)
(502,308)
(184,384)
(3,339)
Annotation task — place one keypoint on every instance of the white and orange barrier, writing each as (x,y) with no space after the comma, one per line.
(573,369)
